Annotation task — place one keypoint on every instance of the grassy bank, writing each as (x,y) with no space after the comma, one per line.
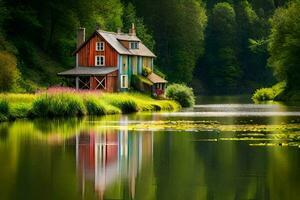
(69,104)
(278,92)
(269,94)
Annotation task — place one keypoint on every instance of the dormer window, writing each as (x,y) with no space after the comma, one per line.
(99,46)
(134,45)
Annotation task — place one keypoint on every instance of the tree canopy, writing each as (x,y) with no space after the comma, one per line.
(284,45)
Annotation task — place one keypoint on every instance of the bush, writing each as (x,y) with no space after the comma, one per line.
(146,71)
(268,94)
(19,110)
(9,73)
(58,105)
(4,110)
(264,94)
(182,94)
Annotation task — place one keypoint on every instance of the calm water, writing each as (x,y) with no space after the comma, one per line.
(122,157)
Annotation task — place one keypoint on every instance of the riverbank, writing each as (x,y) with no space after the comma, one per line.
(278,92)
(72,103)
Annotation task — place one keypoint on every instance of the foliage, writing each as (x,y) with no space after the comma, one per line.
(222,70)
(268,94)
(264,94)
(142,31)
(182,94)
(159,72)
(178,30)
(9,72)
(235,47)
(58,105)
(146,71)
(284,44)
(4,110)
(68,103)
(95,106)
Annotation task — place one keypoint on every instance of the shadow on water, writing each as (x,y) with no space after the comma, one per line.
(110,158)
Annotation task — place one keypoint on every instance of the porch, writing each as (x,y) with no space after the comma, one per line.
(93,78)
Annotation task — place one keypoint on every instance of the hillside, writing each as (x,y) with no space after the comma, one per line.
(218,47)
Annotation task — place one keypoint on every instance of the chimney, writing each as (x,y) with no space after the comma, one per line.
(80,36)
(119,31)
(132,30)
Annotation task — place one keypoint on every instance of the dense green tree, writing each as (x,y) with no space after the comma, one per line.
(9,72)
(284,44)
(178,28)
(129,17)
(221,70)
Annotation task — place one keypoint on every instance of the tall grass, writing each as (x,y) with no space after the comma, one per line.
(70,104)
(4,110)
(95,106)
(58,105)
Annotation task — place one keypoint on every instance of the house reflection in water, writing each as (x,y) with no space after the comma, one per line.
(111,159)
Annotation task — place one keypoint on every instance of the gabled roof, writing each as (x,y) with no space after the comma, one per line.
(154,78)
(114,40)
(88,71)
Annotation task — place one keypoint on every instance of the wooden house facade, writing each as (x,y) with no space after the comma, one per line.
(106,61)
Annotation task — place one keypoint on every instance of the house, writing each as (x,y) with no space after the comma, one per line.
(107,61)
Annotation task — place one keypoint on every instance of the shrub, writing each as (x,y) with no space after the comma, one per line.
(268,94)
(20,110)
(182,94)
(9,72)
(58,105)
(4,110)
(146,71)
(264,94)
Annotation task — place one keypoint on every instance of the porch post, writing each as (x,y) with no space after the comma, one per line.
(77,82)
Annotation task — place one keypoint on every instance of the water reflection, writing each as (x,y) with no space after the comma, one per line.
(96,159)
(110,158)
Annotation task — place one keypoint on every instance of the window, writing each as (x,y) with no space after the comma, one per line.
(99,46)
(134,45)
(99,60)
(124,81)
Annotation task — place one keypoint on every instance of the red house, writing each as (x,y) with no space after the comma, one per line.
(106,61)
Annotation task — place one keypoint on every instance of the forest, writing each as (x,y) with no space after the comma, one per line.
(217,47)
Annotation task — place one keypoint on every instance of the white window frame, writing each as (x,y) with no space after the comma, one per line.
(100,46)
(134,45)
(100,57)
(124,82)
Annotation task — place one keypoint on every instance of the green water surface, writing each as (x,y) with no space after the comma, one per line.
(217,150)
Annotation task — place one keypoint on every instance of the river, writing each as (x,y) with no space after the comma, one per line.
(223,148)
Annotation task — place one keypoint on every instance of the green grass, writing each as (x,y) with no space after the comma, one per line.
(70,104)
(58,105)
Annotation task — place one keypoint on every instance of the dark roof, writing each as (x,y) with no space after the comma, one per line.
(88,71)
(114,40)
(154,78)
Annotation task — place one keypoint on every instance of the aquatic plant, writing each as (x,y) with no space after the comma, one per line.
(182,94)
